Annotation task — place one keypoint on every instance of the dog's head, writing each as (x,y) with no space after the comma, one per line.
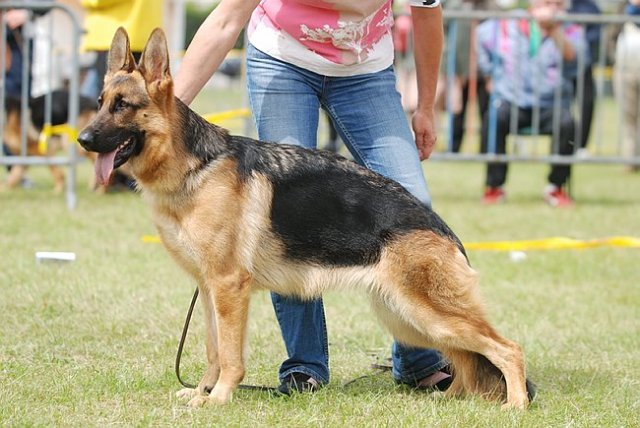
(133,98)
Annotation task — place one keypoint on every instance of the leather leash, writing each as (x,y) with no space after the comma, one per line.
(263,388)
(183,338)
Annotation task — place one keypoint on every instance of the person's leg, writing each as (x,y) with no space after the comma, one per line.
(459,119)
(368,115)
(411,366)
(286,108)
(559,173)
(587,107)
(483,97)
(496,171)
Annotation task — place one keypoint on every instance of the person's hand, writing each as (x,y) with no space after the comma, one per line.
(424,127)
(16,17)
(488,84)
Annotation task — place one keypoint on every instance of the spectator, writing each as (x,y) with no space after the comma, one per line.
(103,17)
(627,82)
(592,34)
(405,66)
(466,82)
(15,20)
(335,55)
(522,59)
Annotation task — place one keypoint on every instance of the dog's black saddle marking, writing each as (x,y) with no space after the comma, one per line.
(330,211)
(326,209)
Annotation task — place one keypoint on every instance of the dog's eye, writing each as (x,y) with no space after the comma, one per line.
(121,105)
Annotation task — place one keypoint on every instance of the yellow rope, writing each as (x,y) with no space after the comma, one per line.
(557,243)
(225,115)
(48,130)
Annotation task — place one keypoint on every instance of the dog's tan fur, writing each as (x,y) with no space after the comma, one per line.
(218,227)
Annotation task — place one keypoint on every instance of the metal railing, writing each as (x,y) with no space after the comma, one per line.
(605,145)
(69,160)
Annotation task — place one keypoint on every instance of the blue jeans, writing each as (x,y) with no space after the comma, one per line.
(367,113)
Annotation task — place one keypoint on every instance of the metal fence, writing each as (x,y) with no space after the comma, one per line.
(42,34)
(605,145)
(606,136)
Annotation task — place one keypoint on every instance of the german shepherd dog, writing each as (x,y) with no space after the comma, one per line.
(35,124)
(240,215)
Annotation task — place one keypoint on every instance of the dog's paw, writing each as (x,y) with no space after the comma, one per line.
(220,395)
(520,405)
(187,393)
(199,401)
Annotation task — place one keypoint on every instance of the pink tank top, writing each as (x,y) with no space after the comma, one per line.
(332,38)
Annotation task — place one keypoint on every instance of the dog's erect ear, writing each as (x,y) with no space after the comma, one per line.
(120,57)
(154,63)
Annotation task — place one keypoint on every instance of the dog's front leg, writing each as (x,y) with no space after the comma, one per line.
(210,377)
(229,295)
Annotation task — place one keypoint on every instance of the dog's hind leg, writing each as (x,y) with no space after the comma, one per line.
(431,288)
(485,355)
(58,178)
(481,359)
(229,296)
(463,362)
(15,175)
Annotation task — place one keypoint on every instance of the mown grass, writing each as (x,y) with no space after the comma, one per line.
(92,343)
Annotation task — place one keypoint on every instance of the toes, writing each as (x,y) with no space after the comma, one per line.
(519,405)
(198,401)
(220,395)
(187,393)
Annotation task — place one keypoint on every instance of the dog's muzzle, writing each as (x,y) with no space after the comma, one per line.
(86,139)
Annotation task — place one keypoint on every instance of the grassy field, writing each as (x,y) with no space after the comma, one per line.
(93,342)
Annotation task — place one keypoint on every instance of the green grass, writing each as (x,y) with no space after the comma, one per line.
(92,343)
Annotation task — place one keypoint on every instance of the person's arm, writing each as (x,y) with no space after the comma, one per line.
(427,45)
(566,46)
(545,17)
(211,43)
(485,46)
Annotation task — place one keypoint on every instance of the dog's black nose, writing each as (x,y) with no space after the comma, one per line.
(86,138)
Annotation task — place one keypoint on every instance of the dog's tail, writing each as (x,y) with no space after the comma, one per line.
(475,374)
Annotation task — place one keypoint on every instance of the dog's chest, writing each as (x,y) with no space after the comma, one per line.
(181,238)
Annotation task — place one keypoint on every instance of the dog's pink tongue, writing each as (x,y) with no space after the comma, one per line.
(104,166)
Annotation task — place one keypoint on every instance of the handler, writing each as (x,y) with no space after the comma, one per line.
(336,55)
